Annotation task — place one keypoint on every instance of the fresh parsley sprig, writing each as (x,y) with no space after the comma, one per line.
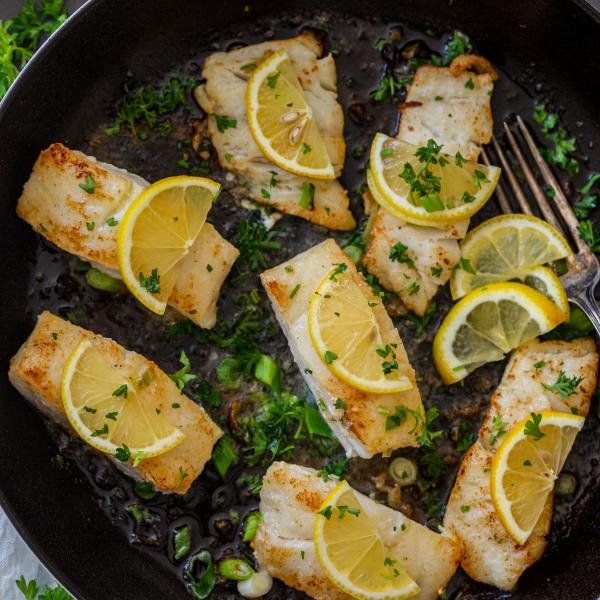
(564,386)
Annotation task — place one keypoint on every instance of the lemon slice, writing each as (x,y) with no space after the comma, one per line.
(525,467)
(352,553)
(281,121)
(489,322)
(345,325)
(157,230)
(108,412)
(546,281)
(506,247)
(390,208)
(446,190)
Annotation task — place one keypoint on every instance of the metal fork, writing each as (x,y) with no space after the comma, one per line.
(583,268)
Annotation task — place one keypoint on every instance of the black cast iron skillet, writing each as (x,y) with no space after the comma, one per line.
(67,91)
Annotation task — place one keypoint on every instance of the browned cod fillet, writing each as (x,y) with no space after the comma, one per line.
(290,497)
(36,371)
(490,554)
(361,425)
(56,207)
(438,106)
(224,94)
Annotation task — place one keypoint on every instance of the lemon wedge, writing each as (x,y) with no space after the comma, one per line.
(526,465)
(506,247)
(109,412)
(425,186)
(346,327)
(157,230)
(281,121)
(489,322)
(352,553)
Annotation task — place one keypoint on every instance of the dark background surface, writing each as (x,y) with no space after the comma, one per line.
(79,78)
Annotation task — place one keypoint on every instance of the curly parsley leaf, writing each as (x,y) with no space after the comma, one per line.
(564,386)
(532,427)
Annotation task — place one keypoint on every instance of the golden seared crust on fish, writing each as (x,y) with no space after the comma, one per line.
(224,93)
(55,205)
(36,372)
(536,363)
(490,554)
(291,496)
(452,105)
(360,427)
(432,252)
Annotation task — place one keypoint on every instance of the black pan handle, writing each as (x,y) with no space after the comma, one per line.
(592,7)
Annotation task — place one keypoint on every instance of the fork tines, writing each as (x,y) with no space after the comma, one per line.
(530,197)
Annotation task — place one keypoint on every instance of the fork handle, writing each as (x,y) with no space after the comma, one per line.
(587,303)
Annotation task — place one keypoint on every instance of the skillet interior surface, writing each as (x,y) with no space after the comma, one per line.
(68,94)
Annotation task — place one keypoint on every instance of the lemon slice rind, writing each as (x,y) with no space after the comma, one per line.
(540,309)
(500,468)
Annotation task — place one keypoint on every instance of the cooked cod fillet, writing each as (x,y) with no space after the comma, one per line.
(36,372)
(440,105)
(490,554)
(57,208)
(224,94)
(289,499)
(360,427)
(432,252)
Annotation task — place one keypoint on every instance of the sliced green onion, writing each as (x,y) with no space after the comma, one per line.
(144,490)
(235,569)
(267,371)
(103,282)
(224,455)
(403,471)
(204,585)
(315,423)
(354,252)
(307,196)
(228,373)
(183,541)
(258,585)
(253,520)
(565,484)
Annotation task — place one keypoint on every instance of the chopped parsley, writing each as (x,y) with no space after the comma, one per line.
(93,411)
(344,510)
(421,322)
(564,146)
(335,469)
(564,386)
(294,290)
(102,431)
(122,390)
(145,108)
(436,271)
(123,453)
(389,86)
(112,222)
(465,265)
(590,234)
(424,185)
(90,225)
(340,268)
(272,79)
(112,415)
(340,404)
(532,427)
(306,148)
(398,254)
(465,508)
(182,476)
(307,196)
(183,376)
(265,193)
(88,186)
(326,512)
(329,357)
(423,422)
(413,288)
(151,282)
(253,239)
(224,123)
(248,68)
(470,85)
